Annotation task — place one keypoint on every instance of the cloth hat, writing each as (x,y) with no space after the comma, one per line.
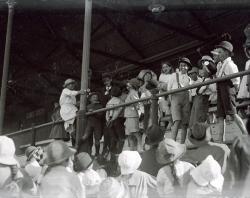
(185,60)
(111,188)
(225,45)
(83,161)
(57,152)
(199,133)
(134,82)
(68,81)
(129,162)
(7,151)
(205,58)
(154,135)
(193,70)
(169,150)
(30,151)
(208,172)
(144,72)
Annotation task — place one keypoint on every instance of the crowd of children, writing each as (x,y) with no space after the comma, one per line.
(141,159)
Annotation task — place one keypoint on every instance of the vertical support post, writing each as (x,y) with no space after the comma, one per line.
(11,4)
(33,135)
(154,110)
(81,121)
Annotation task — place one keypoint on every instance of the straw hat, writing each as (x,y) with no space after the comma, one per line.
(208,172)
(205,58)
(68,81)
(185,60)
(83,161)
(199,133)
(129,162)
(7,151)
(30,151)
(169,150)
(57,152)
(111,188)
(154,135)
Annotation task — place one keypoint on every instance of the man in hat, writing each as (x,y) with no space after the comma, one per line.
(180,105)
(58,182)
(226,90)
(200,137)
(154,135)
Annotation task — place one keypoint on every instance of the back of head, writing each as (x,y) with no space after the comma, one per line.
(57,152)
(111,188)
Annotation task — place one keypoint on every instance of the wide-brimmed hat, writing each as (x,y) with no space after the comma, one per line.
(193,70)
(134,82)
(169,150)
(83,161)
(205,58)
(7,151)
(208,172)
(185,60)
(112,188)
(199,133)
(225,45)
(154,135)
(129,162)
(68,81)
(57,152)
(30,151)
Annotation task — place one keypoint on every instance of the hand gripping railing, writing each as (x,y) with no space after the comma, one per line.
(196,85)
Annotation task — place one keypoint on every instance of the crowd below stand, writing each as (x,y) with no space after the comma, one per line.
(146,153)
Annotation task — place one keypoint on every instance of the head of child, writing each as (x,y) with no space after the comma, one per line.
(208,67)
(166,68)
(115,91)
(94,98)
(106,79)
(133,84)
(193,73)
(184,65)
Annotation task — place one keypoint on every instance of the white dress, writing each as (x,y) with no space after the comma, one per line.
(243,93)
(68,106)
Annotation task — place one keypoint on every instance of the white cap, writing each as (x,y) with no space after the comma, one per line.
(129,162)
(208,172)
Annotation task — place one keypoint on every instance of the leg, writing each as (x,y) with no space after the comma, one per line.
(240,123)
(184,133)
(175,128)
(97,136)
(222,127)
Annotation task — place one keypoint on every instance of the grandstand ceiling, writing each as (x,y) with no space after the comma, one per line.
(47,40)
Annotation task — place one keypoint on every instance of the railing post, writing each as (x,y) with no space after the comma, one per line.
(33,135)
(154,109)
(81,122)
(6,60)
